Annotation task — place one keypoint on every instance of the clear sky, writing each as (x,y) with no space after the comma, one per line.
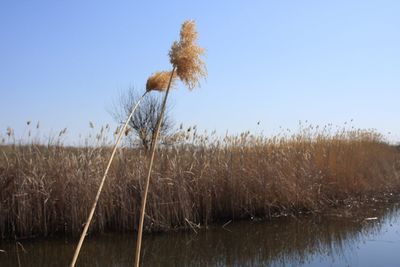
(63,63)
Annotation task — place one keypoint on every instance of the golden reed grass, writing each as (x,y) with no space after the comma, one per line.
(49,189)
(185,57)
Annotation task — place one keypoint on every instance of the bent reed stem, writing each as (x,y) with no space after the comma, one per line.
(153,149)
(89,219)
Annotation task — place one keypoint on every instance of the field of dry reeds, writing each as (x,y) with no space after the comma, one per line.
(48,189)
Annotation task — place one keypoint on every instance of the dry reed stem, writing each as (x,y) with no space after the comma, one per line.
(185,56)
(89,219)
(153,149)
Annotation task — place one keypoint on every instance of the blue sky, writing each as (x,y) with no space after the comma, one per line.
(63,63)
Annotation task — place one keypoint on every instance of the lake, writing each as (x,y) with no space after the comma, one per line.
(365,236)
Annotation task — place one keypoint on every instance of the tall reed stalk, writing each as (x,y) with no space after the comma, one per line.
(185,57)
(89,219)
(146,190)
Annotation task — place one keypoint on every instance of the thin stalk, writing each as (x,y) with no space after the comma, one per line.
(16,246)
(89,219)
(146,190)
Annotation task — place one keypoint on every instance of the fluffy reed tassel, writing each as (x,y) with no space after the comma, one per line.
(159,81)
(185,56)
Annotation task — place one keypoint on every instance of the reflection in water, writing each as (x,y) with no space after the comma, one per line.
(323,240)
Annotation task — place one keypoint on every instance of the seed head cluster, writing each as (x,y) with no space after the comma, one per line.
(185,56)
(10,131)
(159,81)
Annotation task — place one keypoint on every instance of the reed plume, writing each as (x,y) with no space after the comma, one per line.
(185,57)
(159,81)
(10,131)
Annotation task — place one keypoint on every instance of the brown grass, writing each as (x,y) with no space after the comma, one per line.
(48,189)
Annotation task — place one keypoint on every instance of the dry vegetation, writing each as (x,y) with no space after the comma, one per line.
(48,189)
(159,81)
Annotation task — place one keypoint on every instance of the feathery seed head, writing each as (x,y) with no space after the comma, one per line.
(159,81)
(185,56)
(10,131)
(127,131)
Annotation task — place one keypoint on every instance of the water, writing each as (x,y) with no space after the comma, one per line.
(346,238)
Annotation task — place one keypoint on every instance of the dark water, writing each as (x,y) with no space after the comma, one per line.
(344,238)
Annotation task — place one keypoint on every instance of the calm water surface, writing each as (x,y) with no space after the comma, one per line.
(331,239)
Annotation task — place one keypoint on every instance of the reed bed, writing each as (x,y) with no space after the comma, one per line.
(198,179)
